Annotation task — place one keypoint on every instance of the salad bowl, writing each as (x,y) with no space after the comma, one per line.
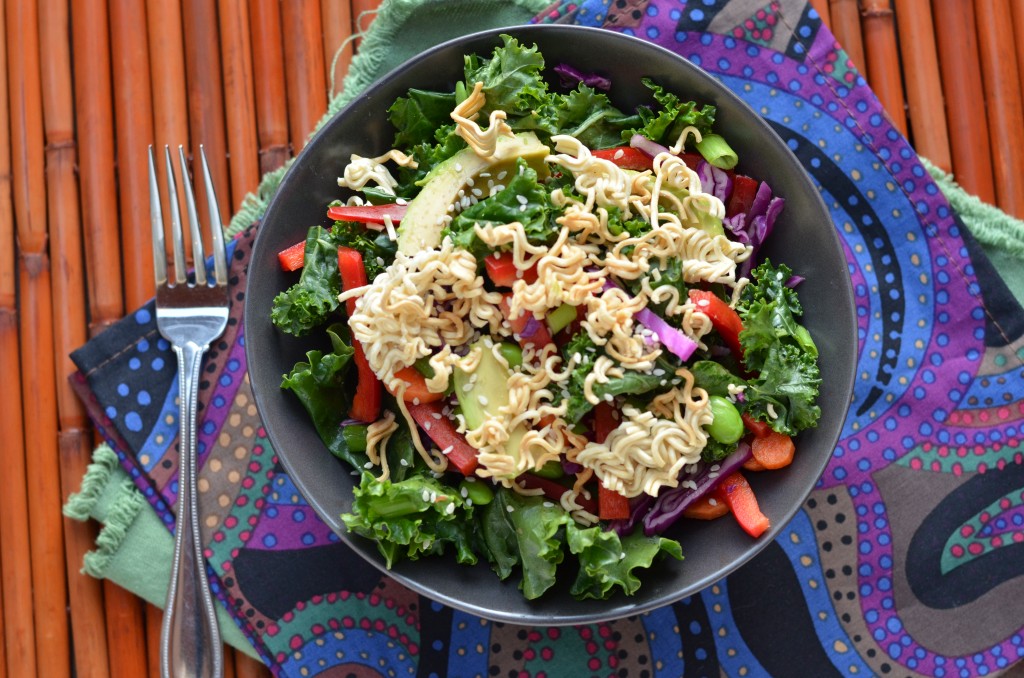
(803,238)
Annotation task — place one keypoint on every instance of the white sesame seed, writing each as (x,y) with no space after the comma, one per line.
(510,509)
(458,167)
(522,199)
(482,399)
(368,464)
(425,495)
(448,450)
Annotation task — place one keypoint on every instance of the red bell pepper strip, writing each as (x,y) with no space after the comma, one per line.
(759,428)
(625,157)
(367,401)
(743,191)
(528,333)
(724,319)
(293,258)
(371,215)
(610,504)
(737,493)
(503,272)
(441,430)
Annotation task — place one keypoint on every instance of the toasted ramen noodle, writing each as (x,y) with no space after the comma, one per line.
(378,434)
(361,171)
(483,143)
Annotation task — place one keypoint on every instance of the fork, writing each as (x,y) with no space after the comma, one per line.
(189,315)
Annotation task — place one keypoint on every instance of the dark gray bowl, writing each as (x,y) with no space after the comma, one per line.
(804,238)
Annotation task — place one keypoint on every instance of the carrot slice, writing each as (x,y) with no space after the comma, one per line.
(774,450)
(706,508)
(753,465)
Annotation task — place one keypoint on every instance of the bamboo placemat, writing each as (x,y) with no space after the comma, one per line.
(86,86)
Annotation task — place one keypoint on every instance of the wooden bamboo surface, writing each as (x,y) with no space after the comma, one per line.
(86,85)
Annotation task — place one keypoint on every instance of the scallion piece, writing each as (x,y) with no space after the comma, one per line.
(717,151)
(560,318)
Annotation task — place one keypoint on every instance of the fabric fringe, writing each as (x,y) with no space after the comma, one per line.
(988,224)
(122,513)
(81,503)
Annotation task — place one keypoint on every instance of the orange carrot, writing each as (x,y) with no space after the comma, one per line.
(753,465)
(773,451)
(706,508)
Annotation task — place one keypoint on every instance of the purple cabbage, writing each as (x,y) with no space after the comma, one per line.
(754,227)
(638,508)
(670,504)
(714,180)
(570,77)
(642,143)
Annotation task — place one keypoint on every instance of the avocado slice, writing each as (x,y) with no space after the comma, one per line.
(422,224)
(484,396)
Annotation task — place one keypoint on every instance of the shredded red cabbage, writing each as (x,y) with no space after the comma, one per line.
(754,227)
(642,143)
(714,180)
(570,77)
(670,504)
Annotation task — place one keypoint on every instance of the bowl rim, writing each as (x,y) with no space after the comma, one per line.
(625,606)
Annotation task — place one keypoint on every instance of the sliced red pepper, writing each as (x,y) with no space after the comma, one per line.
(743,191)
(610,504)
(737,493)
(441,430)
(538,334)
(502,271)
(625,157)
(367,401)
(554,490)
(371,215)
(724,319)
(416,387)
(293,257)
(759,428)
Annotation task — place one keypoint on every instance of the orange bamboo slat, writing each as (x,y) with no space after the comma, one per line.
(16,565)
(1003,98)
(126,635)
(49,595)
(240,111)
(845,16)
(337,20)
(69,323)
(960,71)
(268,76)
(133,112)
(822,8)
(1017,8)
(94,120)
(154,618)
(304,68)
(883,60)
(363,13)
(929,131)
(206,97)
(167,79)
(3,648)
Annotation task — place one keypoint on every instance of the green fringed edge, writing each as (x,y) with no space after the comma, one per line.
(988,224)
(94,482)
(125,505)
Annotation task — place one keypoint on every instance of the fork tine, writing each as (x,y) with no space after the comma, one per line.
(220,264)
(177,238)
(156,218)
(198,258)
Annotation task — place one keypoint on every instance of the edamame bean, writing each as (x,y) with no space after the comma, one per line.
(727,426)
(477,491)
(512,354)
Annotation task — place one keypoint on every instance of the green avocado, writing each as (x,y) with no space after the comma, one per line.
(486,394)
(423,221)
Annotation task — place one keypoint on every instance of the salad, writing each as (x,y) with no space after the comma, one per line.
(548,334)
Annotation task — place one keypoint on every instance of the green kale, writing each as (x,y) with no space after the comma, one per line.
(665,125)
(526,531)
(309,302)
(377,248)
(631,382)
(319,383)
(781,350)
(583,113)
(714,378)
(418,115)
(523,200)
(606,561)
(512,79)
(411,518)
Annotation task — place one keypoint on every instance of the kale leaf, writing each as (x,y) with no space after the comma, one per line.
(665,125)
(309,302)
(607,561)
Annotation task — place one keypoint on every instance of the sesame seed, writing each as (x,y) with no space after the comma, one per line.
(368,464)
(458,167)
(403,462)
(450,509)
(426,495)
(510,509)
(448,450)
(522,199)
(482,399)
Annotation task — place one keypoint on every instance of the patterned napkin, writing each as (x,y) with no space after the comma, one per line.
(907,559)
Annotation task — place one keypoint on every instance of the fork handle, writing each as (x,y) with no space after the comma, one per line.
(190,644)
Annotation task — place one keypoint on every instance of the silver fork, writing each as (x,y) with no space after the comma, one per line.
(189,315)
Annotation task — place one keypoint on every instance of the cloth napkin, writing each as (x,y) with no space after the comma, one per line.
(907,558)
